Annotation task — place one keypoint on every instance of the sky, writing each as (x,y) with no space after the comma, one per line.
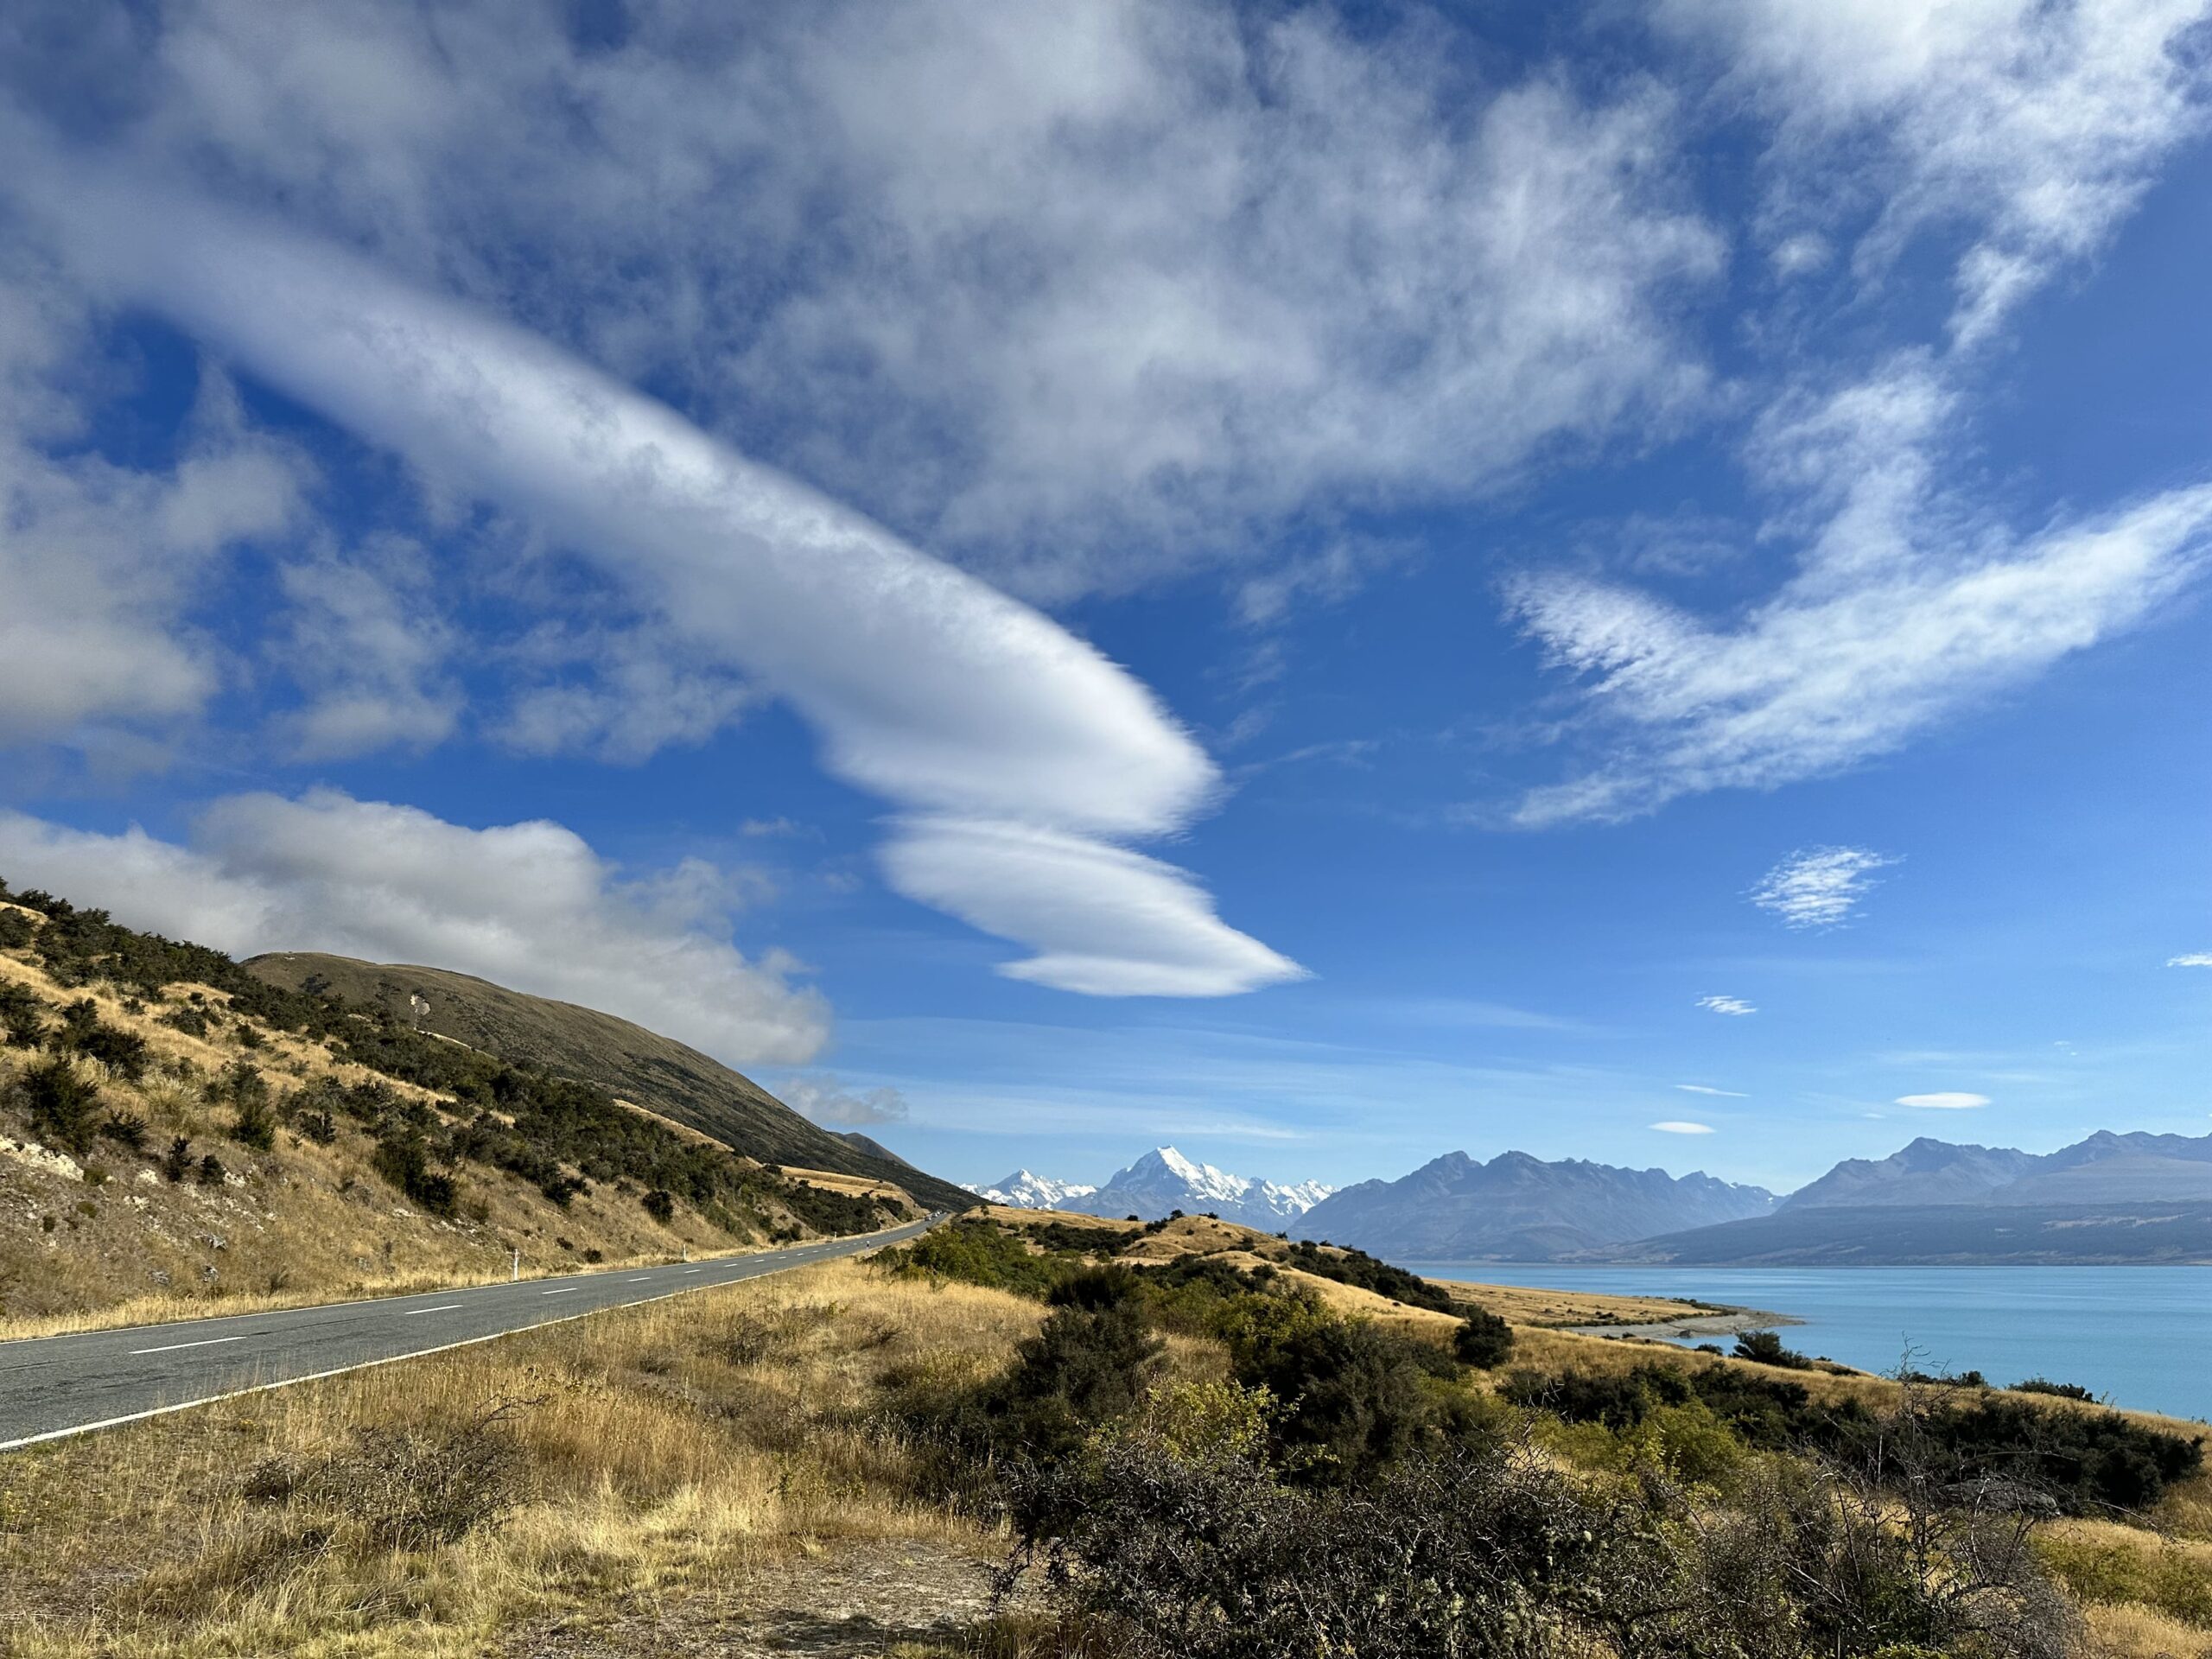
(1324,584)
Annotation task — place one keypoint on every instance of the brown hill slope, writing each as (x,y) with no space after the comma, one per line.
(636,1065)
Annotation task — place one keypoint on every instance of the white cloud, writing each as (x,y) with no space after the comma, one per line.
(925,685)
(1820,887)
(823,1098)
(1908,609)
(1703,1089)
(529,905)
(1678,1126)
(1110,922)
(620,695)
(101,562)
(2195,959)
(1077,287)
(1944,1102)
(363,639)
(1734,1004)
(2024,129)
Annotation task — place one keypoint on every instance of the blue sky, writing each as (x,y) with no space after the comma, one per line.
(1322,585)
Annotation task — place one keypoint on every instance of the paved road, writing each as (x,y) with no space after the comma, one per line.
(53,1386)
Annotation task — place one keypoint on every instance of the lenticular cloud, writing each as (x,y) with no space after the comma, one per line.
(927,687)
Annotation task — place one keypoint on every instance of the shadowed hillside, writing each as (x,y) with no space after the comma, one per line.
(637,1066)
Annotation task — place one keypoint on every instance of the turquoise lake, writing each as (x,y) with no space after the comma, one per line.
(2142,1336)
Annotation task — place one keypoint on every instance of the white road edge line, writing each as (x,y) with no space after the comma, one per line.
(336,1370)
(445,1307)
(204,1342)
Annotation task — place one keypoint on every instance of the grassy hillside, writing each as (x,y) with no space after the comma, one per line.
(625,1059)
(837,1462)
(176,1133)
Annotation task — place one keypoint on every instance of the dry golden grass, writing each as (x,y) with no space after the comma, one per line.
(857,1185)
(674,1450)
(2132,1632)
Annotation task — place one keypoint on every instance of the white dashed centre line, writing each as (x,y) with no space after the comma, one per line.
(694,1270)
(170,1348)
(443,1307)
(563,1291)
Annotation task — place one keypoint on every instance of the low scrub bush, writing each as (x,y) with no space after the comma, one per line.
(976,1252)
(2044,1385)
(1364,1271)
(1498,1553)
(63,1105)
(23,1015)
(1482,1340)
(403,1489)
(1767,1349)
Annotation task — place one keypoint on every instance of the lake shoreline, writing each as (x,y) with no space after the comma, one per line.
(1705,1322)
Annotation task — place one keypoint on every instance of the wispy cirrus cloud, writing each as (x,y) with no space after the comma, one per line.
(2019,134)
(2194,959)
(1680,1126)
(1910,608)
(1083,290)
(1820,887)
(1706,1089)
(2023,130)
(1729,1005)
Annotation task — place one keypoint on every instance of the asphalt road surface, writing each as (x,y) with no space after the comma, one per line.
(53,1385)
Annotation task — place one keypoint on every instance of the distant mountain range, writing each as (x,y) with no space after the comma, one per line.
(1160,1182)
(2107,1168)
(1024,1191)
(1516,1208)
(2109,1198)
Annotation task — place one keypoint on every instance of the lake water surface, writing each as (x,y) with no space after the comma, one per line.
(2141,1335)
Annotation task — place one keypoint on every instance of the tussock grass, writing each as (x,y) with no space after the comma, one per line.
(678,1447)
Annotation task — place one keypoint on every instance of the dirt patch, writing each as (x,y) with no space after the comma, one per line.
(852,1600)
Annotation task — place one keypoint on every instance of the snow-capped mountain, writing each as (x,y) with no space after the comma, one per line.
(1164,1180)
(1025,1191)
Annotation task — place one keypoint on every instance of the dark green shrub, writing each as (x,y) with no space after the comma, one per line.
(1094,1288)
(1482,1340)
(1357,1267)
(403,1158)
(211,1171)
(192,1021)
(660,1204)
(126,1129)
(17,930)
(23,1015)
(2044,1385)
(62,1104)
(254,1120)
(978,1252)
(1497,1554)
(82,1033)
(1766,1348)
(1351,1394)
(1085,1369)
(176,1162)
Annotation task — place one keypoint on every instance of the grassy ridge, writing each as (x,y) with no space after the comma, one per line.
(179,1132)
